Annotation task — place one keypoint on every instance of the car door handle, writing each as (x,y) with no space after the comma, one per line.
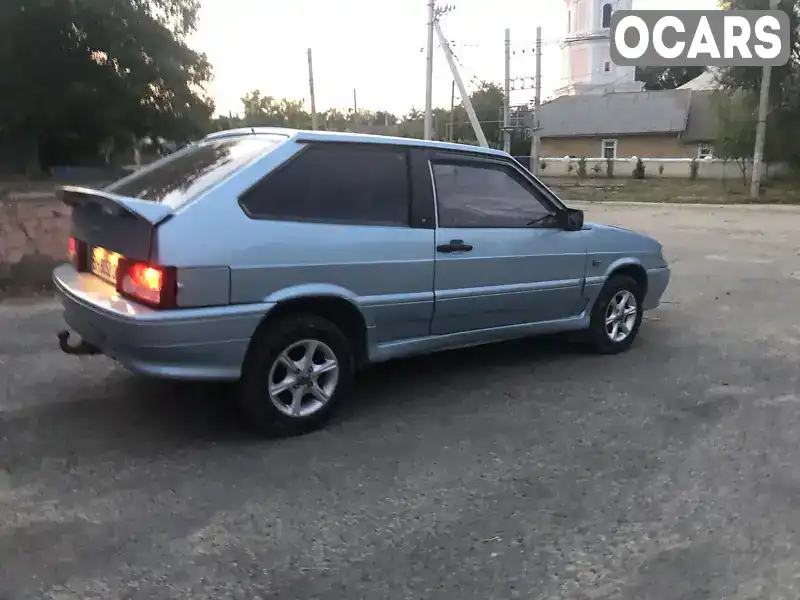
(454,246)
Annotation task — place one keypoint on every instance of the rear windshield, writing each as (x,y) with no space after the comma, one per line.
(186,174)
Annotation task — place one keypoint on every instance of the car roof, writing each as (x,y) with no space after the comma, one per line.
(301,135)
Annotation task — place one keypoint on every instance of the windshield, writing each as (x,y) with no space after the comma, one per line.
(184,175)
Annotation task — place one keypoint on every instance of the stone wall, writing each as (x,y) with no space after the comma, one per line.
(34,232)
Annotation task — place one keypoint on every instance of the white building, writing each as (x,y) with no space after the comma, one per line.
(586,50)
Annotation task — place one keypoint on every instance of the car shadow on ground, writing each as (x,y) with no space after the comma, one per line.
(130,416)
(422,377)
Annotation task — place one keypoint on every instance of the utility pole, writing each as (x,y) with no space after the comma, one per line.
(761,127)
(473,118)
(537,102)
(507,96)
(452,110)
(429,73)
(314,123)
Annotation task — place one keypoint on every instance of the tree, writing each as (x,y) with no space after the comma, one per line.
(412,124)
(259,109)
(383,117)
(487,100)
(784,81)
(79,75)
(335,120)
(735,128)
(666,78)
(266,111)
(784,105)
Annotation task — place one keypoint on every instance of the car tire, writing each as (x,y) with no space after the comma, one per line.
(276,360)
(612,337)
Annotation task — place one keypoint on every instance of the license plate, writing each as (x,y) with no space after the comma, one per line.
(104,264)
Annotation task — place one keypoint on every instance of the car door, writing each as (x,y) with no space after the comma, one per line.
(500,259)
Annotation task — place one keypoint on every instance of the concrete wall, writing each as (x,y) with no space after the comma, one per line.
(671,168)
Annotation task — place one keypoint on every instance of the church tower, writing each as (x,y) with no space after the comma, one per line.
(586,50)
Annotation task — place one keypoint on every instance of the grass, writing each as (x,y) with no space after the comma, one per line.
(672,190)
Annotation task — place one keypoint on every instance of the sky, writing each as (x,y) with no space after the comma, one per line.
(377,47)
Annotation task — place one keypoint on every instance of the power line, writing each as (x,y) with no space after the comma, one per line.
(530,51)
(473,79)
(517,43)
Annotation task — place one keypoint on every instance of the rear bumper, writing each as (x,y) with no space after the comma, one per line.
(657,282)
(190,344)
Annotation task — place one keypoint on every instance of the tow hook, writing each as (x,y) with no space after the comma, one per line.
(83,348)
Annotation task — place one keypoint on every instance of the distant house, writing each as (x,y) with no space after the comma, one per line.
(659,124)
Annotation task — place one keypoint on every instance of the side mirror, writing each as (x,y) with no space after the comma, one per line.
(570,219)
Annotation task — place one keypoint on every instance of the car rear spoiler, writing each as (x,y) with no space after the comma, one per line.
(151,212)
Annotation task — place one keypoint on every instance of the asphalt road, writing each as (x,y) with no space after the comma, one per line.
(526,470)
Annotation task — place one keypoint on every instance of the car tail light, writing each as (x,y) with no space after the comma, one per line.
(149,284)
(77,253)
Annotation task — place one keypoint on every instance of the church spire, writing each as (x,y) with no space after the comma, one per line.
(586,50)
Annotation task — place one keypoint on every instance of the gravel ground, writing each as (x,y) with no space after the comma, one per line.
(524,470)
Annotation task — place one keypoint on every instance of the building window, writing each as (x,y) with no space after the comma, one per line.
(569,21)
(606,15)
(609,149)
(704,151)
(607,66)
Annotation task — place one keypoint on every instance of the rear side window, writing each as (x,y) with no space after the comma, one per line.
(363,184)
(184,175)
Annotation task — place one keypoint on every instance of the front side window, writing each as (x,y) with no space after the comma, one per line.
(362,184)
(484,195)
(182,176)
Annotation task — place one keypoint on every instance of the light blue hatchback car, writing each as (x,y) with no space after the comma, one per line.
(286,260)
